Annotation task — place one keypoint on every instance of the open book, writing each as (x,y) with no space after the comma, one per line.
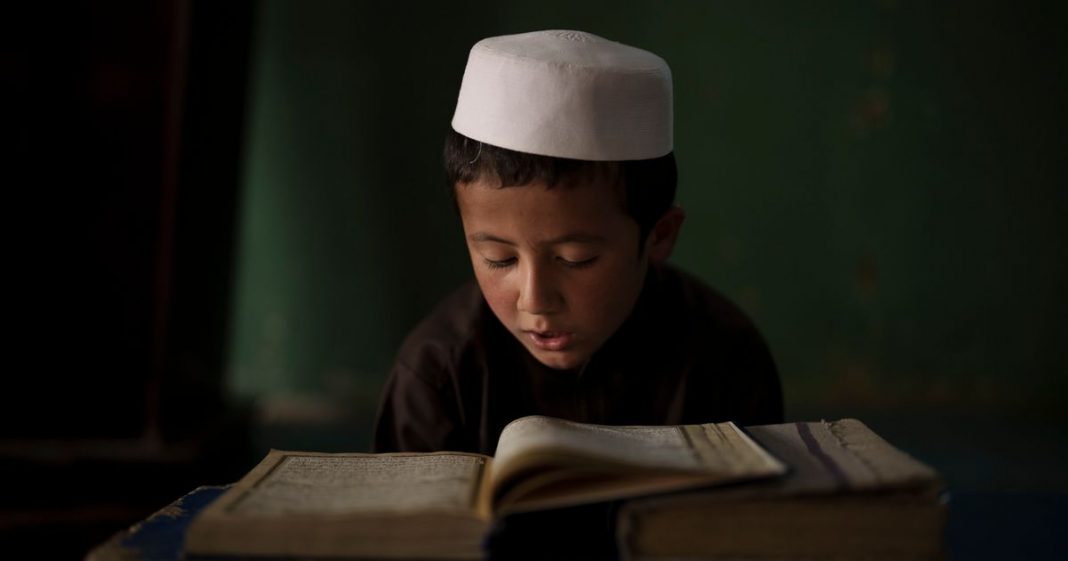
(440,505)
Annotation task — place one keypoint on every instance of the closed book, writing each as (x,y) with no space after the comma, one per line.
(848,494)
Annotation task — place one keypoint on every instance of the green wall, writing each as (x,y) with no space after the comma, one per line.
(879,184)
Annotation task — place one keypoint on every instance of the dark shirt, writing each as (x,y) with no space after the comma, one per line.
(684,355)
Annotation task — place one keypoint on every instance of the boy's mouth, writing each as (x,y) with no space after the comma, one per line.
(550,340)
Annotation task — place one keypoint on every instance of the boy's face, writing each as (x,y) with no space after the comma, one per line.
(559,267)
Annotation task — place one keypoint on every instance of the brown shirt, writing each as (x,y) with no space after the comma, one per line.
(685,355)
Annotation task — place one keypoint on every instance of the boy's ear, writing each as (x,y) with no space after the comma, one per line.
(665,232)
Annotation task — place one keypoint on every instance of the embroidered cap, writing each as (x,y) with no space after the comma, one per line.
(568,94)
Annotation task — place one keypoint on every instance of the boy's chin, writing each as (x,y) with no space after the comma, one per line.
(559,360)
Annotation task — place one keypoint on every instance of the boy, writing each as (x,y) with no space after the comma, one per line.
(561,164)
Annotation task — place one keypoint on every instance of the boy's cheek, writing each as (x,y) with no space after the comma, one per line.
(497,299)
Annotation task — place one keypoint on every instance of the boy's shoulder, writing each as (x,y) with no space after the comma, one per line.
(698,307)
(455,314)
(453,328)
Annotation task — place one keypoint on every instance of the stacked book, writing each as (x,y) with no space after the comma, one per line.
(819,490)
(847,495)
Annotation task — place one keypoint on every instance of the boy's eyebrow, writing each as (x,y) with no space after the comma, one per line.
(567,238)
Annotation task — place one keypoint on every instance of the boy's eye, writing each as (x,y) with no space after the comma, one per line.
(577,264)
(499,263)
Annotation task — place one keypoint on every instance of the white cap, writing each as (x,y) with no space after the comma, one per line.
(567,94)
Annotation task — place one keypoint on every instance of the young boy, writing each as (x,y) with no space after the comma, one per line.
(561,164)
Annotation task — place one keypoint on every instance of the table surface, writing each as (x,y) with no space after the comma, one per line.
(981,525)
(160,536)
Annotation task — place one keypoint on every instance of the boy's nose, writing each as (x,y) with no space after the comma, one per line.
(538,294)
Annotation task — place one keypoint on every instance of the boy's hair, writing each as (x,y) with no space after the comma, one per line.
(647,186)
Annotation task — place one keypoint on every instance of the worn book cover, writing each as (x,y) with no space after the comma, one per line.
(849,494)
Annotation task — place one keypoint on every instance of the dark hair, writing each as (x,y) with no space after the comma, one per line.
(648,186)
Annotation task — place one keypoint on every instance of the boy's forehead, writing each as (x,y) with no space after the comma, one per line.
(579,211)
(566,94)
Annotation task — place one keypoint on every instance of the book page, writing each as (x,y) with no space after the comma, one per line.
(648,446)
(719,448)
(723,447)
(352,483)
(543,461)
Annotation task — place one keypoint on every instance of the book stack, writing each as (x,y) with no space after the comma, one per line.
(825,490)
(848,495)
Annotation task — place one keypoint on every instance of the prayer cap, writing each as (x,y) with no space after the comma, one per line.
(567,94)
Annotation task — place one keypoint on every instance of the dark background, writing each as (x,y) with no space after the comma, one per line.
(224,216)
